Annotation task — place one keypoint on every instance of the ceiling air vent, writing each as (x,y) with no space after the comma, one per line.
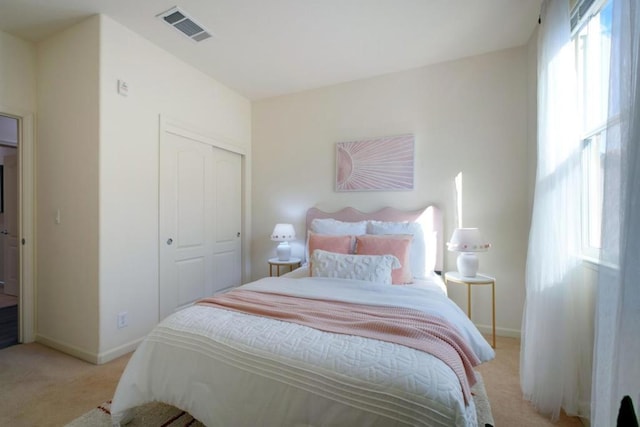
(185,24)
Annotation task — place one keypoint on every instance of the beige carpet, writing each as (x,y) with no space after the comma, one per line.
(161,415)
(42,387)
(45,388)
(502,381)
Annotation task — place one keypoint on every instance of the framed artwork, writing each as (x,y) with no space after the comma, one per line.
(378,164)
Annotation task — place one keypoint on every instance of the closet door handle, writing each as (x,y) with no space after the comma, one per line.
(169,241)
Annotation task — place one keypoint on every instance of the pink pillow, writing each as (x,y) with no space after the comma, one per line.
(330,243)
(398,245)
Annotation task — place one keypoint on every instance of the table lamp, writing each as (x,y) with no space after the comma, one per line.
(283,233)
(467,241)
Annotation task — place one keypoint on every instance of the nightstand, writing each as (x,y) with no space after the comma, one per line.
(275,262)
(479,279)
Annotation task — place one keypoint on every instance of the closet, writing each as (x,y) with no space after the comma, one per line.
(200,219)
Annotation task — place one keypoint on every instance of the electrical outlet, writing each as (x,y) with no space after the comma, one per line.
(123,319)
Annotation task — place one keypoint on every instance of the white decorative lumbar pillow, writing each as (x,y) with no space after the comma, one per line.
(372,268)
(338,228)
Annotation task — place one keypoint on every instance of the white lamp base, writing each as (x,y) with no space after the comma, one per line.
(284,251)
(467,264)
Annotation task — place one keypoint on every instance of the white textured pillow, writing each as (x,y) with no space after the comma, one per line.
(373,268)
(338,228)
(423,248)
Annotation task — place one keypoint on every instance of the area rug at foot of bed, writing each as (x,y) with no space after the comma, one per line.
(160,415)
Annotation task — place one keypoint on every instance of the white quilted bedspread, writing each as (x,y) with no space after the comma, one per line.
(231,369)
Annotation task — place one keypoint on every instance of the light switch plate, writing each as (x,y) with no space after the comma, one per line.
(123,88)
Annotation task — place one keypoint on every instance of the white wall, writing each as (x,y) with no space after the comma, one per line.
(158,84)
(67,179)
(468,115)
(98,163)
(17,74)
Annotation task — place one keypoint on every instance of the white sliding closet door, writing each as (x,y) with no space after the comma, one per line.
(228,213)
(200,219)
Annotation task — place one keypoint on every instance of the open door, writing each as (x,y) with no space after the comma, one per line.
(11,248)
(19,220)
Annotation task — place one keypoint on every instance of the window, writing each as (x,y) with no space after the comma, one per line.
(592,179)
(592,39)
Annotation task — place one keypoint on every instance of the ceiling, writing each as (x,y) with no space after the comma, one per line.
(264,48)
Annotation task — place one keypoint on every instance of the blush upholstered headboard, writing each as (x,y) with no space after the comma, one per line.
(430,218)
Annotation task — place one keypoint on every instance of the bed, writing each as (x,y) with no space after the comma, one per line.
(258,356)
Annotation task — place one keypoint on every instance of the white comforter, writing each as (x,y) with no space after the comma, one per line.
(231,369)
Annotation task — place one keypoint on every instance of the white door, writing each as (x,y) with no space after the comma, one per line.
(228,214)
(199,202)
(11,249)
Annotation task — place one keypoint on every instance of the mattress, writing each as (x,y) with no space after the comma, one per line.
(229,368)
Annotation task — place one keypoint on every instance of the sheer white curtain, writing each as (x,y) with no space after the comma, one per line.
(554,319)
(616,370)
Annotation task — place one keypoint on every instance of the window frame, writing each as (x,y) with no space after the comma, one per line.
(598,136)
(582,12)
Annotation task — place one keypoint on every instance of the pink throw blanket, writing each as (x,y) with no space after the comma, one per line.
(403,326)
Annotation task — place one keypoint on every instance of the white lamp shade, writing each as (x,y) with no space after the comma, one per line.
(283,233)
(467,240)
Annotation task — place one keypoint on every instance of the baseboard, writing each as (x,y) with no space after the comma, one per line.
(112,354)
(501,332)
(68,349)
(96,359)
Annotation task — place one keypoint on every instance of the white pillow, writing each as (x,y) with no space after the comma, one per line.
(338,228)
(372,268)
(423,248)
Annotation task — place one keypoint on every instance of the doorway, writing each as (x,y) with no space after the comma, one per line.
(9,246)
